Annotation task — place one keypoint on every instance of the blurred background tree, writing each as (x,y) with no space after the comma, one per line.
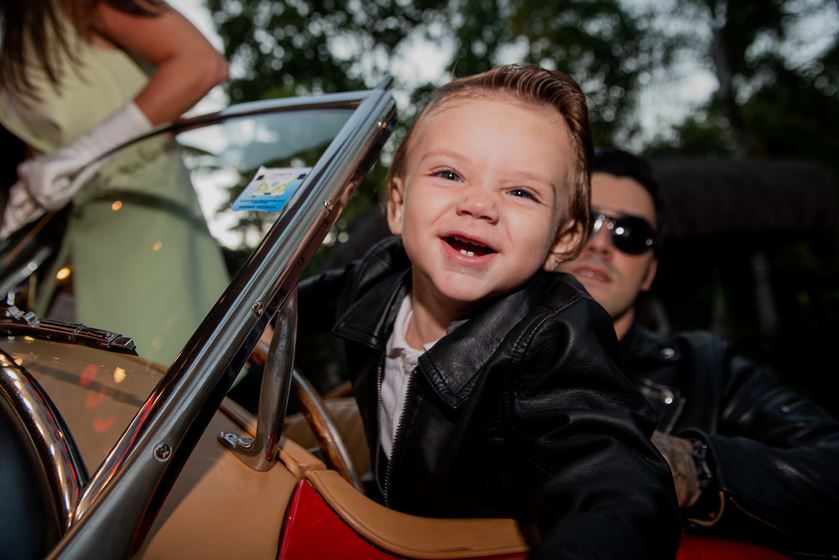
(290,47)
(775,292)
(778,78)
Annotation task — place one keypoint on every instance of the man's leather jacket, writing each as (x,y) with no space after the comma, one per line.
(516,412)
(774,455)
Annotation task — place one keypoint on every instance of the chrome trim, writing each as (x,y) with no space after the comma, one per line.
(275,387)
(259,453)
(14,322)
(114,510)
(59,456)
(346,100)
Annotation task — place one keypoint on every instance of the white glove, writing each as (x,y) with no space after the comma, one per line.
(49,177)
(21,208)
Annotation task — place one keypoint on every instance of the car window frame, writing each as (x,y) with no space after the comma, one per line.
(114,505)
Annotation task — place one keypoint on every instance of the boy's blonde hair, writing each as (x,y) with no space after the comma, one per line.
(531,84)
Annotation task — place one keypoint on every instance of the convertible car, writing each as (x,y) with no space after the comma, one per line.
(107,453)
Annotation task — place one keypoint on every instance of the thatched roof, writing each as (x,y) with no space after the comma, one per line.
(715,196)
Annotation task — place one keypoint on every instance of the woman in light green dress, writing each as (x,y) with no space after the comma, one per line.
(82,77)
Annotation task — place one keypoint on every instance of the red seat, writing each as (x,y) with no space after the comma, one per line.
(705,548)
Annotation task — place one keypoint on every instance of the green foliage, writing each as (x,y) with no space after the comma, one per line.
(596,41)
(744,22)
(777,108)
(702,134)
(290,47)
(791,117)
(783,109)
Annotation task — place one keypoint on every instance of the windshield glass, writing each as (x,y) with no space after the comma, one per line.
(157,232)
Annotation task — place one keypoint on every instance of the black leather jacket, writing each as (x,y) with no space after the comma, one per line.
(774,455)
(516,412)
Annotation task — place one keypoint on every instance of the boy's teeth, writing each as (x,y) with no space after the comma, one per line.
(467,253)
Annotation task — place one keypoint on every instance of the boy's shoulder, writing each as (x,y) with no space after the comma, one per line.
(558,304)
(566,294)
(525,326)
(545,298)
(562,289)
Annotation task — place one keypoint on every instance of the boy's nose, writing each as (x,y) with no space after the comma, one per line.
(478,204)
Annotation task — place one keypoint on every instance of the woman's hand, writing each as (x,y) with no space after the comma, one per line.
(21,208)
(50,178)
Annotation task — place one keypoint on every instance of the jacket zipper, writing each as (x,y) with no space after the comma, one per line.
(379,378)
(395,447)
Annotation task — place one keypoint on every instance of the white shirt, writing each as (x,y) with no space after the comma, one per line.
(400,362)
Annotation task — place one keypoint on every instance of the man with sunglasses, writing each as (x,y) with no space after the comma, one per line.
(750,459)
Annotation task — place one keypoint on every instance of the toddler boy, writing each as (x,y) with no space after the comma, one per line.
(485,384)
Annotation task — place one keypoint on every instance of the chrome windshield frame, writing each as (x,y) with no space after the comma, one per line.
(143,464)
(345,100)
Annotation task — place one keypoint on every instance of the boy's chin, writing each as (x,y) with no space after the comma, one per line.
(471,287)
(464,295)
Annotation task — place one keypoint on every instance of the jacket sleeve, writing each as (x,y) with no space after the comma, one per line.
(775,458)
(601,488)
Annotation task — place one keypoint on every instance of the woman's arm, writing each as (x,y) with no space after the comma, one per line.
(186,66)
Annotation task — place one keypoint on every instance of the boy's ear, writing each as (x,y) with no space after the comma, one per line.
(567,240)
(395,205)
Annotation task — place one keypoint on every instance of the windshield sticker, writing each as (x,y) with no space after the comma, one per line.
(270,188)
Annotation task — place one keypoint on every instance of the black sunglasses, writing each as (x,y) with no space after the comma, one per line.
(632,235)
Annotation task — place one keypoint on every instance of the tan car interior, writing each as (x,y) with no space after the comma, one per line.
(215,481)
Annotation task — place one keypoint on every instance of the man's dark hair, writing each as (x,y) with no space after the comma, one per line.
(621,163)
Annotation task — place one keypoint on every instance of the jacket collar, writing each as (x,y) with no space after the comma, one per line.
(369,319)
(452,364)
(640,343)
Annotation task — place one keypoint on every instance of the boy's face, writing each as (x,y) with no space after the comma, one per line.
(479,203)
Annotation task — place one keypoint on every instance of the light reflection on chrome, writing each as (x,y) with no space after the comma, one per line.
(61,461)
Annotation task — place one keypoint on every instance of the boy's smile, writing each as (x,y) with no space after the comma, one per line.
(481,199)
(467,247)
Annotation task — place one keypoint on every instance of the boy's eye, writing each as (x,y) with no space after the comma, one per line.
(522,193)
(448,175)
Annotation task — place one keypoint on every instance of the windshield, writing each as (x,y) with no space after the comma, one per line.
(157,232)
(188,242)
